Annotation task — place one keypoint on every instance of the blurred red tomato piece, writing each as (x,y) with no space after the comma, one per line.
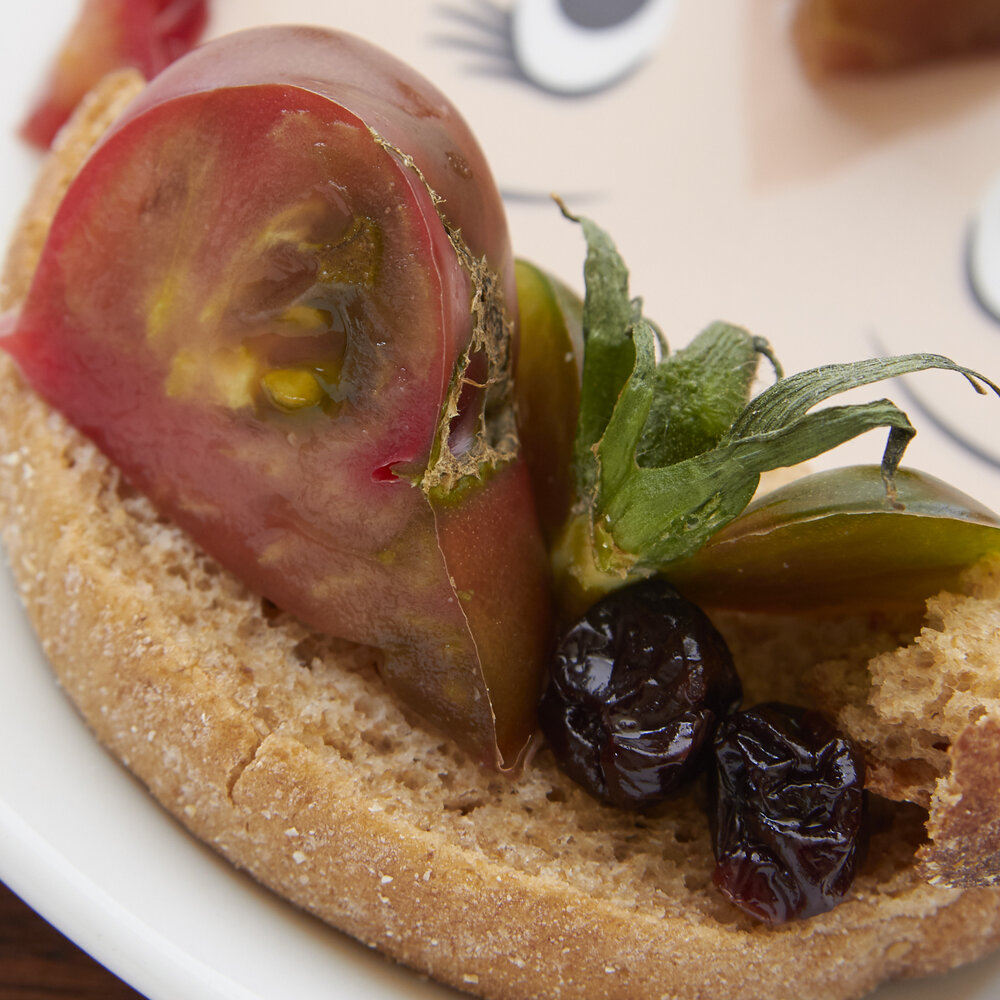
(108,35)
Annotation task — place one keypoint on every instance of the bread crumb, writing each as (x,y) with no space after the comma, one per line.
(896,951)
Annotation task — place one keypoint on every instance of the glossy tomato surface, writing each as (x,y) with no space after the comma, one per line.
(548,388)
(252,300)
(835,540)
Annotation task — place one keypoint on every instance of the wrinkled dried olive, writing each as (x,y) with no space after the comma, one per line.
(637,687)
(788,813)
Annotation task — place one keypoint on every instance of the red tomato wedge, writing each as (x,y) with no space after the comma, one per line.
(280,297)
(147,35)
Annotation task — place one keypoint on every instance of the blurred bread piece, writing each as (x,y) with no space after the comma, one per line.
(844,36)
(283,751)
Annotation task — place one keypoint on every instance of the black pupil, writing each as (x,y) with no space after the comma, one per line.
(599,15)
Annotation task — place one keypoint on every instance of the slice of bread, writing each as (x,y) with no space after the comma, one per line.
(843,36)
(283,750)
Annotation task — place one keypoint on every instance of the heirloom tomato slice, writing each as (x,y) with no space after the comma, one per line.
(833,540)
(548,388)
(108,35)
(280,297)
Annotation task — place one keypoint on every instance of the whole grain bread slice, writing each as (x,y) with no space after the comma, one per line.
(283,750)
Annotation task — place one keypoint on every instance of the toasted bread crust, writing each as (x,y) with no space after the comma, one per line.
(283,751)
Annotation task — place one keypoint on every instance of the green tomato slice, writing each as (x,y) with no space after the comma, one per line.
(834,540)
(547,388)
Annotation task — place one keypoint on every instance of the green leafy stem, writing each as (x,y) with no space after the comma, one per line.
(670,447)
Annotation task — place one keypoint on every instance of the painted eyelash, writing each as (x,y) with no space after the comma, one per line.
(565,47)
(481,30)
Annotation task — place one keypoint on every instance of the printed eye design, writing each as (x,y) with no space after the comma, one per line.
(566,47)
(982,257)
(982,269)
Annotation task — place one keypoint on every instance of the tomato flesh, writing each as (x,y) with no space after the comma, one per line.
(253,306)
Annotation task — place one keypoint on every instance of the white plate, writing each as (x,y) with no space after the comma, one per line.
(80,840)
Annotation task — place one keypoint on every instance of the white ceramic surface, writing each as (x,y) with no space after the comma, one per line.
(822,220)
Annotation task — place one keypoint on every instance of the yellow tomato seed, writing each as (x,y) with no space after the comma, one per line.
(292,388)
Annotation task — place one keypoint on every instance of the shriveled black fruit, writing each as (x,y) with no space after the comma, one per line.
(637,687)
(789,817)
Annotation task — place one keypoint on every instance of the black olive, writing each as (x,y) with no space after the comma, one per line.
(789,814)
(636,689)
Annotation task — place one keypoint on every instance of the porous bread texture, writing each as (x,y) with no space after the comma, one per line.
(921,696)
(283,751)
(931,722)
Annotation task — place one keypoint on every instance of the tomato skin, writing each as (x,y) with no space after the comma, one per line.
(398,103)
(108,35)
(548,389)
(174,289)
(833,541)
(487,547)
